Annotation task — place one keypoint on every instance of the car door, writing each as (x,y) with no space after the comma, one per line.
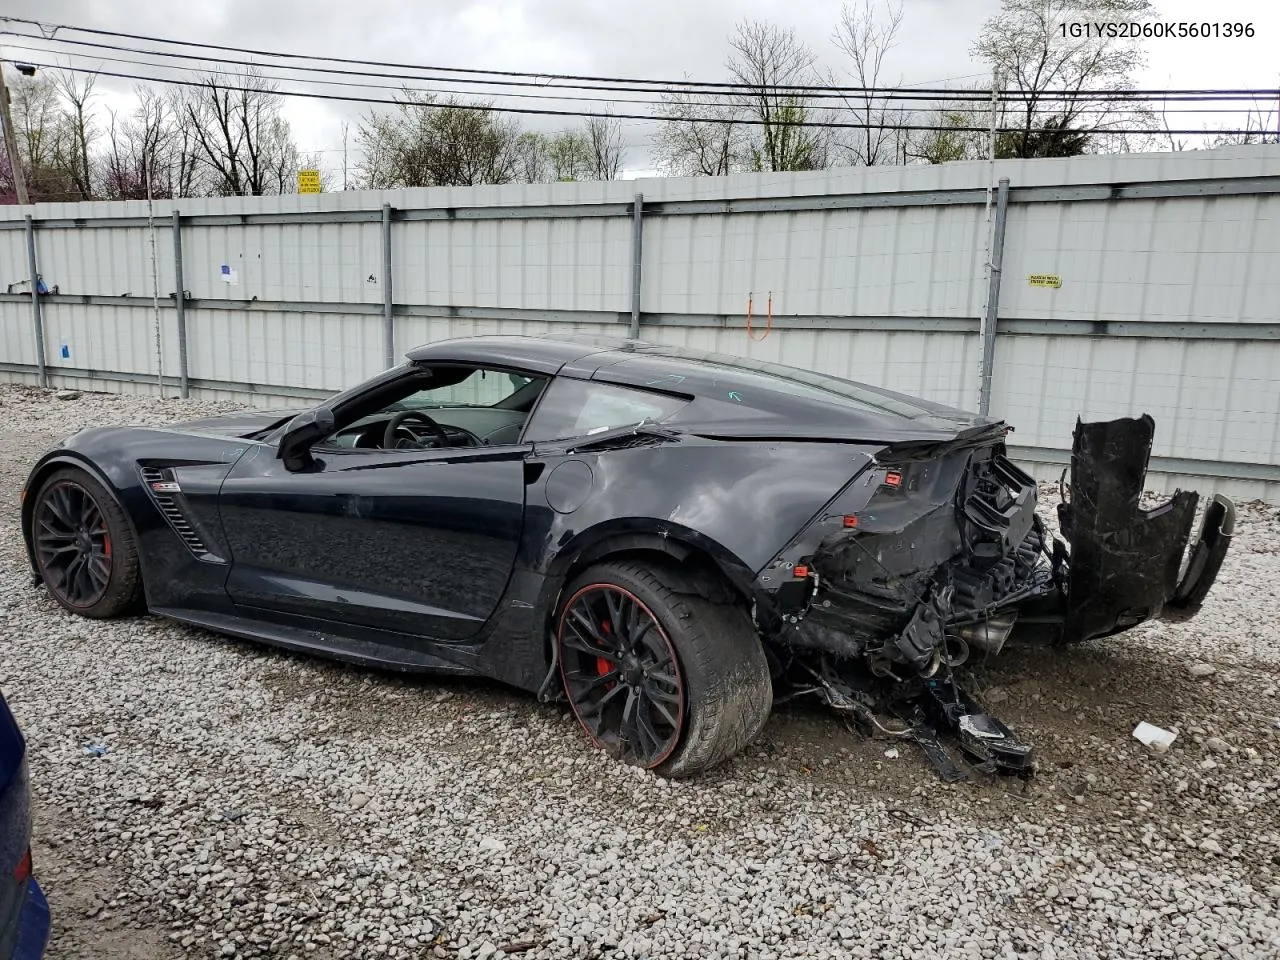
(417,541)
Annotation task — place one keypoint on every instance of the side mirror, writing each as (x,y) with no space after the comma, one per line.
(303,431)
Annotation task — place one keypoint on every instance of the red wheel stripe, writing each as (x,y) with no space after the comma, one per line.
(675,659)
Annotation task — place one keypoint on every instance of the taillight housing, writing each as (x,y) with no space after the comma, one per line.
(23,870)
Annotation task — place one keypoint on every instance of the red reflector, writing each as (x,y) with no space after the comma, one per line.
(23,869)
(893,479)
(801,570)
(850,522)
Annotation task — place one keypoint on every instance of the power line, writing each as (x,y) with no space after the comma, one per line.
(537,111)
(810,92)
(842,107)
(48,32)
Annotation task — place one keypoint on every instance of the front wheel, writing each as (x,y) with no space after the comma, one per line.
(660,677)
(84,547)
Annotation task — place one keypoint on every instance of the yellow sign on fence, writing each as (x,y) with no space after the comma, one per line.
(1051,280)
(308,181)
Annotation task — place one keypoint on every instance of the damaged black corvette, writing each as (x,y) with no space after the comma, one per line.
(664,538)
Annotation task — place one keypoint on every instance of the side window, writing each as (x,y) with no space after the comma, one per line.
(579,408)
(443,405)
(476,388)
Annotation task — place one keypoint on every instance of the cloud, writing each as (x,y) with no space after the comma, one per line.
(656,39)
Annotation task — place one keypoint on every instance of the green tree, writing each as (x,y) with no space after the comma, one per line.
(1051,138)
(951,141)
(428,143)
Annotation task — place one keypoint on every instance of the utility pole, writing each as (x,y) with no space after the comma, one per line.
(155,286)
(11,145)
(986,322)
(991,136)
(345,128)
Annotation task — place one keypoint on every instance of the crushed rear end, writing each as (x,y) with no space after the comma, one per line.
(935,551)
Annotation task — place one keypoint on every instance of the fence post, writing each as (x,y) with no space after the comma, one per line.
(36,315)
(180,302)
(637,255)
(388,319)
(988,332)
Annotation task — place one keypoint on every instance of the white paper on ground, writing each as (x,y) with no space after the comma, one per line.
(1151,735)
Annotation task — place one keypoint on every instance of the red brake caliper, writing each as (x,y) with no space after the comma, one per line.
(106,545)
(603,666)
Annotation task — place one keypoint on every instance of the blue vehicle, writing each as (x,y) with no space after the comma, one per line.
(24,912)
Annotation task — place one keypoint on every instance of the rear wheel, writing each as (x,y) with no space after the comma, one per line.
(659,676)
(84,547)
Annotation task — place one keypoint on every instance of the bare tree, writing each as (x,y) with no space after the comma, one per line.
(78,131)
(865,36)
(241,140)
(603,136)
(776,68)
(141,147)
(1260,126)
(1061,85)
(699,136)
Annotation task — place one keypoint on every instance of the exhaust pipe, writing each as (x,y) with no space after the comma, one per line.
(988,635)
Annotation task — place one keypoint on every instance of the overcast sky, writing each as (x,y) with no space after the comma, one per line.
(663,39)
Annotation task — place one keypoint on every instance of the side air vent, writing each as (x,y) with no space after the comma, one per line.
(166,491)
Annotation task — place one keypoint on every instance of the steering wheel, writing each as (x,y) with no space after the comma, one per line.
(442,435)
(389,434)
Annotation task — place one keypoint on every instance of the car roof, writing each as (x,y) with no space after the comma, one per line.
(792,393)
(543,354)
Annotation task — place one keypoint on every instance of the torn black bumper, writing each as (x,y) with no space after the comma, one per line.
(1127,564)
(934,558)
(950,556)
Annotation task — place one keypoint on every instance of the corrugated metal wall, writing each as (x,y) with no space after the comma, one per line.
(1169,300)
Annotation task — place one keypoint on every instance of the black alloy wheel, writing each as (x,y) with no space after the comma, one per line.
(621,674)
(72,544)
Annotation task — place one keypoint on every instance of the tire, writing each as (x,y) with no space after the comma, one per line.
(722,691)
(85,548)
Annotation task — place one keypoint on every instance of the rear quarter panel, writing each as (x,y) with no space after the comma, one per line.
(739,501)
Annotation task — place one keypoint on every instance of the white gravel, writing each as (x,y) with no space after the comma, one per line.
(255,803)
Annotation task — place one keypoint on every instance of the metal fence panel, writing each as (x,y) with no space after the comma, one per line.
(316,351)
(112,262)
(1159,290)
(565,263)
(1203,259)
(118,338)
(17,334)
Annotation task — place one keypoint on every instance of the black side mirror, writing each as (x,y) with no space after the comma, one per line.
(303,431)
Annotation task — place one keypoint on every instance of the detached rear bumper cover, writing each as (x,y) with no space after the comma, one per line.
(1124,563)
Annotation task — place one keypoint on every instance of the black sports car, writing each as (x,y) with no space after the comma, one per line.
(661,536)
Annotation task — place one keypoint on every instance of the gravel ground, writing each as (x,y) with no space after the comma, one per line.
(255,803)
